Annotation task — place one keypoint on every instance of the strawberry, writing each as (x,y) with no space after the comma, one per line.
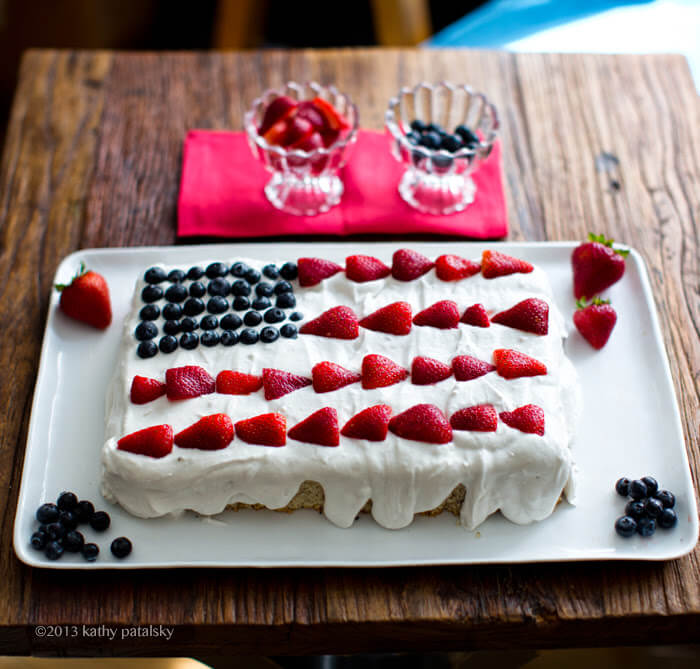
(314,270)
(156,441)
(86,298)
(466,368)
(365,268)
(379,372)
(268,429)
(327,376)
(454,268)
(479,418)
(528,418)
(334,119)
(371,424)
(422,422)
(443,315)
(181,383)
(495,264)
(145,390)
(395,319)
(321,428)
(281,108)
(407,265)
(337,323)
(476,315)
(597,266)
(425,371)
(530,315)
(278,383)
(512,364)
(595,321)
(209,433)
(229,382)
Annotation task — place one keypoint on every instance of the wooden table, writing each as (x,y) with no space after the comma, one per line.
(92,158)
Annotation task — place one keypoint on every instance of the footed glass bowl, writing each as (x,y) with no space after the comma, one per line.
(437,178)
(304,182)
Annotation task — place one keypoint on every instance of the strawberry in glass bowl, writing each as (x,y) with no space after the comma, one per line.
(301,133)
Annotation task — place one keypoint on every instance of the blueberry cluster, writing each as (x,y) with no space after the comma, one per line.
(209,306)
(647,507)
(58,531)
(433,136)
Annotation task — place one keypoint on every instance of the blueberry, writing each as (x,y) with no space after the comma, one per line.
(667,498)
(264,289)
(638,489)
(651,484)
(168,343)
(239,269)
(288,331)
(653,507)
(289,271)
(155,275)
(146,349)
(151,293)
(209,338)
(270,271)
(269,334)
(100,521)
(252,276)
(418,125)
(189,341)
(252,318)
(149,312)
(84,510)
(209,323)
(145,330)
(241,287)
(188,324)
(176,293)
(176,276)
(469,137)
(193,306)
(171,327)
(172,312)
(442,161)
(53,550)
(261,303)
(646,526)
(283,287)
(286,301)
(625,526)
(219,287)
(120,547)
(39,539)
(197,289)
(47,513)
(248,337)
(451,143)
(216,269)
(667,519)
(635,509)
(195,273)
(73,541)
(90,552)
(241,303)
(274,315)
(229,338)
(67,501)
(231,322)
(435,127)
(217,305)
(430,140)
(413,137)
(296,316)
(68,519)
(622,486)
(55,531)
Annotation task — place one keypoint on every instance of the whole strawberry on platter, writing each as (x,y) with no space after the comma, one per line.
(597,265)
(595,321)
(86,298)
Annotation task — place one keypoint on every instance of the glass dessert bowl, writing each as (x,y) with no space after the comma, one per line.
(302,133)
(441,132)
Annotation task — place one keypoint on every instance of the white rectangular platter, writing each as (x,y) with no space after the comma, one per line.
(630,427)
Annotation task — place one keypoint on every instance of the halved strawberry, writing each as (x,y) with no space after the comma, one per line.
(528,418)
(408,265)
(268,429)
(371,424)
(156,441)
(478,418)
(229,382)
(181,383)
(293,131)
(278,383)
(379,372)
(86,298)
(596,266)
(327,376)
(336,323)
(365,268)
(395,318)
(512,364)
(453,268)
(321,428)
(314,270)
(422,422)
(334,119)
(467,367)
(476,315)
(530,315)
(494,263)
(145,390)
(309,111)
(595,321)
(443,315)
(277,110)
(209,433)
(425,371)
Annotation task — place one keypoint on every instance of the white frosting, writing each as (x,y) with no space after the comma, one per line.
(523,475)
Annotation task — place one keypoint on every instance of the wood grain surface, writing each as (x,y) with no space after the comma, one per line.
(92,158)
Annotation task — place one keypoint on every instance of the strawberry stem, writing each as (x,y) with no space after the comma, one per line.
(82,270)
(601,239)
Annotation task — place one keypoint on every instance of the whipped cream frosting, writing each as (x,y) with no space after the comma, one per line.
(522,475)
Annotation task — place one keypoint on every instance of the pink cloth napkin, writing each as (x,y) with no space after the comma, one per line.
(221,195)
